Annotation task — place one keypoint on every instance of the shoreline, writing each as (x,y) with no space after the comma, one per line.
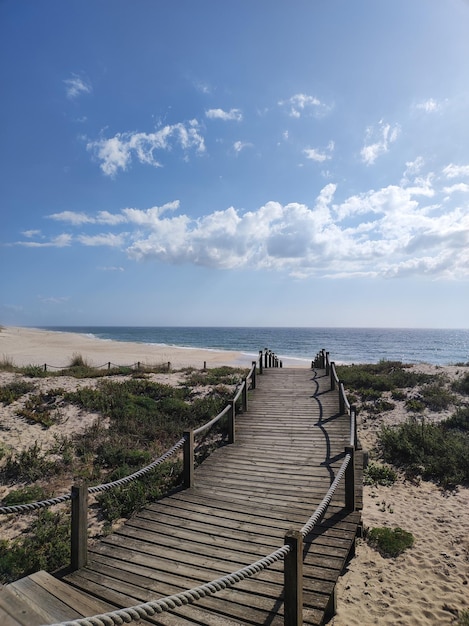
(35,346)
(25,346)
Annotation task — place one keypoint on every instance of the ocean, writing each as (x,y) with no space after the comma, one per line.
(345,345)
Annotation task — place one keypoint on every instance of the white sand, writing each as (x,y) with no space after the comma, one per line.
(30,346)
(429,583)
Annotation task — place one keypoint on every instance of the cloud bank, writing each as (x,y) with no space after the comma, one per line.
(399,230)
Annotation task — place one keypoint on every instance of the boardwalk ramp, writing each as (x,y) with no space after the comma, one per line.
(288,449)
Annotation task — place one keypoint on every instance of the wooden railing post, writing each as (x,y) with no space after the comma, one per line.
(188,449)
(231,422)
(260,362)
(293,579)
(245,395)
(332,376)
(341,398)
(79,529)
(350,480)
(327,365)
(253,376)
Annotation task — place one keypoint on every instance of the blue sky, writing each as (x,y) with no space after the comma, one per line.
(240,163)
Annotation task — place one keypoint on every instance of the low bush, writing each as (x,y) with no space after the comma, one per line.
(47,547)
(30,464)
(14,390)
(461,385)
(390,542)
(123,501)
(376,474)
(23,495)
(434,451)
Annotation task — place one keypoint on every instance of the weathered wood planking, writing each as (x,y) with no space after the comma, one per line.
(288,448)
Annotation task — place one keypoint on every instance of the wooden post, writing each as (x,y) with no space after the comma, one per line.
(231,422)
(353,418)
(245,395)
(332,376)
(293,579)
(188,449)
(260,361)
(205,365)
(169,366)
(327,364)
(350,480)
(253,377)
(79,529)
(45,367)
(341,398)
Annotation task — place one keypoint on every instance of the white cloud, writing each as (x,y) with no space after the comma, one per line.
(377,141)
(77,86)
(31,233)
(238,146)
(220,114)
(104,239)
(454,171)
(429,106)
(459,187)
(111,269)
(393,231)
(320,156)
(60,241)
(116,153)
(301,103)
(76,219)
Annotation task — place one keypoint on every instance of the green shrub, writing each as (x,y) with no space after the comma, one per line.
(463,618)
(30,465)
(46,547)
(376,474)
(462,385)
(23,495)
(390,542)
(14,390)
(436,397)
(414,405)
(459,420)
(433,450)
(123,501)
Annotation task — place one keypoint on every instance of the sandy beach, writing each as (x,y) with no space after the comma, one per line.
(425,586)
(31,346)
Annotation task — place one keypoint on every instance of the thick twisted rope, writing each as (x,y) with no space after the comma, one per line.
(148,609)
(213,421)
(319,512)
(33,506)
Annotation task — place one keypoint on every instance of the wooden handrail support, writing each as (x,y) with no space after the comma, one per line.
(293,579)
(245,394)
(260,362)
(253,375)
(231,421)
(188,450)
(350,480)
(334,378)
(79,527)
(327,364)
(341,398)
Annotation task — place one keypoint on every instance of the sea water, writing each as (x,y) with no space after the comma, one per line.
(345,345)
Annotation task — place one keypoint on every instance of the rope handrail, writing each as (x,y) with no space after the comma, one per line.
(322,507)
(213,421)
(148,609)
(32,506)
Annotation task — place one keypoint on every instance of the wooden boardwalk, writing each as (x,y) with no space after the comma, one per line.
(289,446)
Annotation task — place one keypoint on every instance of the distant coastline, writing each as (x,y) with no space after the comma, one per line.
(346,345)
